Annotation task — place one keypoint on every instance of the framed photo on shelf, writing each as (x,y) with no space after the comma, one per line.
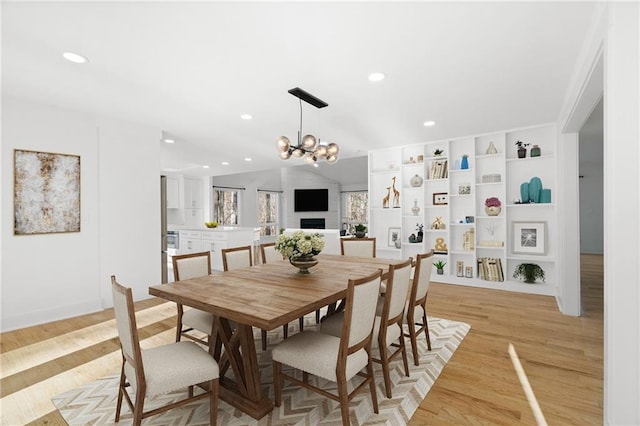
(529,238)
(394,235)
(440,198)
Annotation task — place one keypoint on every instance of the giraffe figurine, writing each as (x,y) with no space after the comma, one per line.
(385,200)
(396,193)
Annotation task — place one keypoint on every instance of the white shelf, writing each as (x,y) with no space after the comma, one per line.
(512,171)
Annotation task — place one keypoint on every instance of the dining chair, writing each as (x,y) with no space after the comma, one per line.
(387,329)
(417,304)
(240,257)
(337,359)
(236,257)
(159,370)
(269,253)
(187,266)
(361,247)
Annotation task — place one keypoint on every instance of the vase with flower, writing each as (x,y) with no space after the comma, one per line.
(300,248)
(492,206)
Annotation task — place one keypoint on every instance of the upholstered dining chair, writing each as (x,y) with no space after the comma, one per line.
(361,247)
(240,257)
(337,359)
(187,266)
(269,253)
(416,310)
(158,370)
(387,329)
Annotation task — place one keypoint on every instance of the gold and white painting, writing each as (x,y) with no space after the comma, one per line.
(46,192)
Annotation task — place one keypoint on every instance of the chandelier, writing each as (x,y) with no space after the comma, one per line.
(309,148)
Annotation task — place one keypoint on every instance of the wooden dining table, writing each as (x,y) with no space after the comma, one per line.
(265,296)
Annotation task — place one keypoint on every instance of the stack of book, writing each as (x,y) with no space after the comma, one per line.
(490,269)
(439,170)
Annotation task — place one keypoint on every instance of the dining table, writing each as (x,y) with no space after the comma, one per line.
(265,296)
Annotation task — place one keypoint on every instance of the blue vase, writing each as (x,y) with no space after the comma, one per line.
(465,162)
(535,189)
(545,196)
(524,192)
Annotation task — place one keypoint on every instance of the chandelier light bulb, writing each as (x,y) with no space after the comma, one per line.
(321,151)
(284,155)
(332,149)
(298,152)
(332,159)
(283,143)
(309,142)
(309,158)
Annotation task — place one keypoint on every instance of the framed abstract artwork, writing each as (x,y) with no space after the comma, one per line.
(46,192)
(529,237)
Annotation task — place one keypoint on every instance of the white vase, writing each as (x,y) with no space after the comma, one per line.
(416,181)
(415,209)
(492,211)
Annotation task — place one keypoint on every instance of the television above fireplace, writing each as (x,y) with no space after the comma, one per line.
(311,200)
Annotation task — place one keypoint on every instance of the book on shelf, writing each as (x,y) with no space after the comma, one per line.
(438,169)
(490,269)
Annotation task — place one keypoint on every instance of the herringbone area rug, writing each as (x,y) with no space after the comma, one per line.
(95,402)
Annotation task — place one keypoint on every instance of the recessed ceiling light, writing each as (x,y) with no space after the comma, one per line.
(429,123)
(205,167)
(75,58)
(246,116)
(169,141)
(376,76)
(247,159)
(225,163)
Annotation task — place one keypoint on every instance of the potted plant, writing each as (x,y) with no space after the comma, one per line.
(439,266)
(360,230)
(419,228)
(522,149)
(492,206)
(529,272)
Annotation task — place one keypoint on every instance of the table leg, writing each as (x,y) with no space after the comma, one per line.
(245,393)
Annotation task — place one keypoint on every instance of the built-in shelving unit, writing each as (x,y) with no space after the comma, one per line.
(450,204)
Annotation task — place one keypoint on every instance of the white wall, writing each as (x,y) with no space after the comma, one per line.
(54,276)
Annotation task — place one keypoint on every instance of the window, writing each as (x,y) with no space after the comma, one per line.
(354,208)
(225,206)
(268,208)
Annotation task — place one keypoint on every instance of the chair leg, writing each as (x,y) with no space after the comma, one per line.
(213,402)
(343,395)
(277,383)
(120,393)
(403,348)
(138,409)
(384,360)
(426,329)
(264,339)
(411,325)
(372,386)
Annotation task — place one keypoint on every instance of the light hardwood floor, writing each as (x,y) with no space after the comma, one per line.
(562,357)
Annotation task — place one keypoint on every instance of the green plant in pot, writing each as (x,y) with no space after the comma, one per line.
(529,272)
(360,230)
(439,266)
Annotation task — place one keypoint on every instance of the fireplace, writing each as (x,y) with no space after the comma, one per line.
(312,223)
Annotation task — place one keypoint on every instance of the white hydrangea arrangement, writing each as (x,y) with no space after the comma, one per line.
(299,244)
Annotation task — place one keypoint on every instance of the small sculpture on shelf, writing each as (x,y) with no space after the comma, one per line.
(491,149)
(440,246)
(396,194)
(385,200)
(438,223)
(438,152)
(464,164)
(535,151)
(413,238)
(419,228)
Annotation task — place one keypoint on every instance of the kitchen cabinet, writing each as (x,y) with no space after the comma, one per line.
(193,193)
(215,240)
(173,193)
(190,242)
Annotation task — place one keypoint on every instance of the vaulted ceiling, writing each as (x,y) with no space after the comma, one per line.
(192,69)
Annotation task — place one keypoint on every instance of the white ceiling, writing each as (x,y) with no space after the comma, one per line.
(191,70)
